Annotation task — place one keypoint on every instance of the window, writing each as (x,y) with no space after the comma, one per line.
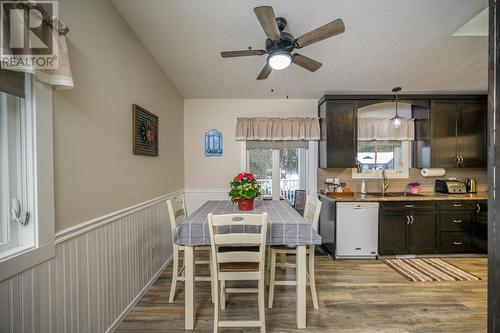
(375,156)
(280,167)
(26,173)
(15,178)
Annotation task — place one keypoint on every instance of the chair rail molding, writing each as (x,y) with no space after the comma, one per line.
(101,269)
(84,227)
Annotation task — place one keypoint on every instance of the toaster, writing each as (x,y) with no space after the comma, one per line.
(449,186)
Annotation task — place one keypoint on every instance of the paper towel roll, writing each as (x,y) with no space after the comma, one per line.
(433,172)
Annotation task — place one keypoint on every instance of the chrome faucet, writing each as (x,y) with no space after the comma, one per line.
(384,183)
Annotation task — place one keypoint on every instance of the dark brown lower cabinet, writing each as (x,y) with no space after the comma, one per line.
(393,233)
(432,227)
(407,228)
(480,227)
(455,226)
(423,229)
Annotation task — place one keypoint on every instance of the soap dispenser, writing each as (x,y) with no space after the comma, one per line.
(363,187)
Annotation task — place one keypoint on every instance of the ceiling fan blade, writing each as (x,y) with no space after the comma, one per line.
(242,53)
(306,62)
(267,20)
(328,30)
(264,73)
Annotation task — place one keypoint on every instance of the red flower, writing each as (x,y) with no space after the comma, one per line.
(244,175)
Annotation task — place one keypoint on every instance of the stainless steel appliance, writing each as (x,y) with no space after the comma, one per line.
(357,230)
(470,185)
(449,186)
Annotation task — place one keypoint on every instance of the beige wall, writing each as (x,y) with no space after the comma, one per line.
(201,115)
(95,170)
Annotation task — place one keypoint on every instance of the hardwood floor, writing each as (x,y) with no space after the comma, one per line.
(354,297)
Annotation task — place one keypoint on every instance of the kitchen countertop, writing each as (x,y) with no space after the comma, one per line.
(424,196)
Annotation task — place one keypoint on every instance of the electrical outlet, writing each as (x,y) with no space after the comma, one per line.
(152,252)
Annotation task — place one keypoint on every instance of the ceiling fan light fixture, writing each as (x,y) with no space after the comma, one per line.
(280,60)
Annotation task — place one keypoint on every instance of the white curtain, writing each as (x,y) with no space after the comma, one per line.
(381,129)
(277,129)
(60,77)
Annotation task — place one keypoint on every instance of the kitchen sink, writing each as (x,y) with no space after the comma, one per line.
(395,194)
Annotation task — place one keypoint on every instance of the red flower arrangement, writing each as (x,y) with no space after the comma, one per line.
(243,189)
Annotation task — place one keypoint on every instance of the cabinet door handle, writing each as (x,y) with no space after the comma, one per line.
(457,221)
(409,206)
(411,219)
(457,205)
(457,243)
(457,160)
(407,219)
(478,208)
(461,160)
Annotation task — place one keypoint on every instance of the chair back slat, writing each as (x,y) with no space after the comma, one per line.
(237,239)
(238,256)
(241,232)
(312,211)
(237,219)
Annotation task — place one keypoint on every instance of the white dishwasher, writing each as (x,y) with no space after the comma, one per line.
(357,230)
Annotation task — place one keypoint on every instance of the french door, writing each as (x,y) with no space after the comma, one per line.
(280,167)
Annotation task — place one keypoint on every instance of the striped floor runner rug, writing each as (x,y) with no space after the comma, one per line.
(429,270)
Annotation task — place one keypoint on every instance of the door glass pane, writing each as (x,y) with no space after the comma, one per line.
(292,172)
(260,164)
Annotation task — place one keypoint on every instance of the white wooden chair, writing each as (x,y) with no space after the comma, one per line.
(177,213)
(311,213)
(242,263)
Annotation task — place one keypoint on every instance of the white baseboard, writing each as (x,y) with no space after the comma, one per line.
(125,312)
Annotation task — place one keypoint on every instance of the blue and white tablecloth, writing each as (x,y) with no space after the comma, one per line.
(286,226)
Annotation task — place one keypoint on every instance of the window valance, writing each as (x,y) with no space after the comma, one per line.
(381,129)
(277,129)
(51,30)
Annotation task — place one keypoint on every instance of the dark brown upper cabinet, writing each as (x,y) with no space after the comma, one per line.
(338,144)
(450,130)
(451,134)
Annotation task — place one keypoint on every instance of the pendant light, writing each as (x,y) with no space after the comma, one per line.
(396,120)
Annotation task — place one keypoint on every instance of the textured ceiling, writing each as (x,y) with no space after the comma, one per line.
(387,43)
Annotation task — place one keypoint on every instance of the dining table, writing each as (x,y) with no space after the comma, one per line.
(285,227)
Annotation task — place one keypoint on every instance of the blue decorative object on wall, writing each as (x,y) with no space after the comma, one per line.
(213,143)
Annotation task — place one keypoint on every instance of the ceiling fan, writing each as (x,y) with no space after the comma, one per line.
(280,44)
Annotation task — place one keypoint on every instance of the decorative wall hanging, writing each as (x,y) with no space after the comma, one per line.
(145,126)
(213,143)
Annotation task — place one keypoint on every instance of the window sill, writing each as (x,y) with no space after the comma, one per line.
(19,259)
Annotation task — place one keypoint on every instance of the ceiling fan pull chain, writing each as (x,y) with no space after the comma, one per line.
(272,82)
(287,72)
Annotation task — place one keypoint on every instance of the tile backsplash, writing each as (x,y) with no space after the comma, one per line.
(398,185)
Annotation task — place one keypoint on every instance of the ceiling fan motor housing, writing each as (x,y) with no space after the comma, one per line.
(285,43)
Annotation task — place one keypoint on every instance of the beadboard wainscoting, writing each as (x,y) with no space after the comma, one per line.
(101,269)
(196,197)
